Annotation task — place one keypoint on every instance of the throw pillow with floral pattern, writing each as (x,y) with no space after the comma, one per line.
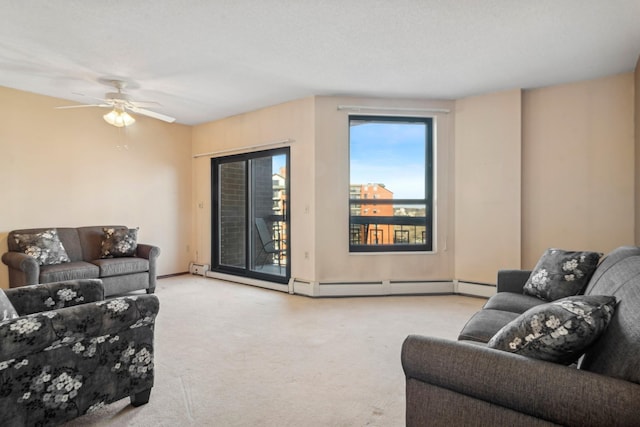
(7,311)
(559,274)
(119,242)
(559,331)
(45,246)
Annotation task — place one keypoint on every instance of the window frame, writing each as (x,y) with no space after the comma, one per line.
(427,244)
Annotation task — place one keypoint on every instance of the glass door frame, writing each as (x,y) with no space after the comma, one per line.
(250,234)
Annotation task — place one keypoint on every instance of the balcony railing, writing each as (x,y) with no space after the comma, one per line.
(388,230)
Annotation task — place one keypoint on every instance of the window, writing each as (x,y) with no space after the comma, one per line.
(391,167)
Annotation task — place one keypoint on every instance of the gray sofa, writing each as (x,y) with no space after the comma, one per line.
(465,382)
(83,247)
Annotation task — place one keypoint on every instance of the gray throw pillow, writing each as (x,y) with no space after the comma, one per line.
(559,274)
(45,246)
(7,311)
(119,242)
(559,331)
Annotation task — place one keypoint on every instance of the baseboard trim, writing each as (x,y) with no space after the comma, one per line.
(382,288)
(314,289)
(165,276)
(475,289)
(248,281)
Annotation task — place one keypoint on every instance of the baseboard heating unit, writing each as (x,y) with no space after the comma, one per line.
(311,288)
(198,269)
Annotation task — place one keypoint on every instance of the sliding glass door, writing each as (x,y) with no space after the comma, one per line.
(251,215)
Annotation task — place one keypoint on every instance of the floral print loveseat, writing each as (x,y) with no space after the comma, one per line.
(69,351)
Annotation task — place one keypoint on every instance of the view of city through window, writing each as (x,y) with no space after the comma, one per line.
(390,183)
(278,227)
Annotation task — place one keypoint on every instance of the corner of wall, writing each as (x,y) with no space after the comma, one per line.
(636,119)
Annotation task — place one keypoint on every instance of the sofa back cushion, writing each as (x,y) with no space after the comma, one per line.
(617,352)
(68,237)
(91,240)
(601,281)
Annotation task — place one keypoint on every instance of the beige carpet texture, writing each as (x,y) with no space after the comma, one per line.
(228,354)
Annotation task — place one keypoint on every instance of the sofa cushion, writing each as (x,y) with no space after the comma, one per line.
(115,285)
(617,352)
(68,271)
(484,324)
(601,279)
(559,274)
(119,242)
(91,240)
(44,246)
(509,301)
(69,238)
(559,331)
(118,266)
(7,311)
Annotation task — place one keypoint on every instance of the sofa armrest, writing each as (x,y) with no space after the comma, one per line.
(512,280)
(85,325)
(147,251)
(151,253)
(55,295)
(545,390)
(26,266)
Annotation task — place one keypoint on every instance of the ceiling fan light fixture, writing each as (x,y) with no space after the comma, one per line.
(118,118)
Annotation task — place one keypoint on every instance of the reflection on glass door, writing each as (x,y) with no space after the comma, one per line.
(232,214)
(251,215)
(269,215)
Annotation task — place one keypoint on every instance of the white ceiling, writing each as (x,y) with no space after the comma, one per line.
(207,59)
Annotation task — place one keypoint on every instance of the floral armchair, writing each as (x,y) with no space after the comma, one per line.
(69,351)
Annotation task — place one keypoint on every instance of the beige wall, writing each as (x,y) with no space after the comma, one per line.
(69,168)
(320,188)
(487,185)
(578,167)
(292,120)
(333,260)
(499,187)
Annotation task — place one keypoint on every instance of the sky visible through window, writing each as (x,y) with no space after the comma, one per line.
(278,162)
(391,153)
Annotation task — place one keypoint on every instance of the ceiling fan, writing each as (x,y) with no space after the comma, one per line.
(120,104)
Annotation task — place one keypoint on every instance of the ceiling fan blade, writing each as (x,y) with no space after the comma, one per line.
(142,104)
(90,96)
(64,107)
(152,114)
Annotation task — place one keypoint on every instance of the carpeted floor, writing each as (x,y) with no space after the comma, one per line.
(235,355)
